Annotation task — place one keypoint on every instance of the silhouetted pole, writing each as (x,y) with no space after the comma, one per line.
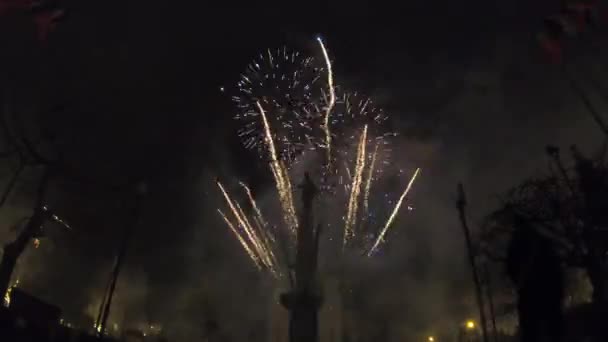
(305,250)
(461,204)
(104,299)
(303,302)
(490,293)
(13,250)
(141,191)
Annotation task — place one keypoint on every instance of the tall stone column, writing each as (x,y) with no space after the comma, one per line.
(304,301)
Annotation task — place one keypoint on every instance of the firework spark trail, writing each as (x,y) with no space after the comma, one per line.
(260,246)
(355,190)
(350,178)
(332,101)
(241,218)
(394,213)
(370,177)
(268,240)
(254,205)
(347,171)
(261,252)
(253,236)
(265,238)
(281,177)
(246,247)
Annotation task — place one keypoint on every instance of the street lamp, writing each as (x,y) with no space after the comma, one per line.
(470,325)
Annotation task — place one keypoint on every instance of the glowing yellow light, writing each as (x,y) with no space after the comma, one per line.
(470,324)
(7,295)
(431,339)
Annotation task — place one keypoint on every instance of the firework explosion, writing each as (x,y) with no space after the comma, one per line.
(290,107)
(351,113)
(286,84)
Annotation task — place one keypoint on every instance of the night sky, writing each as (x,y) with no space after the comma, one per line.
(138,86)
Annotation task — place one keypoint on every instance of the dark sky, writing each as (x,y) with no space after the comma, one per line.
(140,82)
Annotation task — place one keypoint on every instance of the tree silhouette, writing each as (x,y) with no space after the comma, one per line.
(28,154)
(566,206)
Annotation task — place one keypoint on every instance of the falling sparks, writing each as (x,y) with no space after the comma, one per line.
(254,205)
(332,101)
(256,248)
(370,177)
(394,213)
(242,241)
(355,190)
(281,177)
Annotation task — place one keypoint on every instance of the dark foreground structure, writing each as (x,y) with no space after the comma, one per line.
(29,319)
(304,301)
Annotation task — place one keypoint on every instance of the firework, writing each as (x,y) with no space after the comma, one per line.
(287,108)
(242,241)
(259,218)
(393,213)
(370,177)
(281,177)
(254,244)
(288,85)
(353,202)
(351,112)
(330,104)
